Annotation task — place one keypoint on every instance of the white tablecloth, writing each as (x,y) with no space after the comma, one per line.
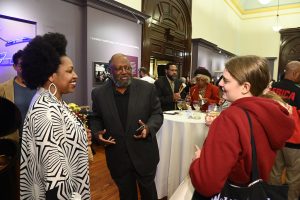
(176,140)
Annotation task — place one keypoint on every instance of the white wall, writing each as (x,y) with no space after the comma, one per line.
(211,60)
(53,16)
(136,4)
(215,22)
(106,35)
(120,35)
(258,37)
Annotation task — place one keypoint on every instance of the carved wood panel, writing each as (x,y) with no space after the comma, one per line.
(167,33)
(289,48)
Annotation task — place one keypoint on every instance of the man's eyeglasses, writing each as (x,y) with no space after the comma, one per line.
(121,68)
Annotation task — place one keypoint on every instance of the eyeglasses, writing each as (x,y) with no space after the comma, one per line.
(201,79)
(18,64)
(122,68)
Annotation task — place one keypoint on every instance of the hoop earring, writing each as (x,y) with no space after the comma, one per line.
(55,89)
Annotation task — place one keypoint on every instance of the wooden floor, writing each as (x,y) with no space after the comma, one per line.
(102,185)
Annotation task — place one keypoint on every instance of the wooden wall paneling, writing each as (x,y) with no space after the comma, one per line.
(289,48)
(167,33)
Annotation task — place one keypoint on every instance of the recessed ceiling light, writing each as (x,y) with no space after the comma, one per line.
(264,1)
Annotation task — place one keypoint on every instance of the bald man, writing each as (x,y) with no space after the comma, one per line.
(289,156)
(289,88)
(128,118)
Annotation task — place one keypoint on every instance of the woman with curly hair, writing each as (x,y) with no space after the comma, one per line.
(54,160)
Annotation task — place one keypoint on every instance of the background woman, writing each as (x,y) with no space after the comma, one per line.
(54,160)
(226,153)
(204,90)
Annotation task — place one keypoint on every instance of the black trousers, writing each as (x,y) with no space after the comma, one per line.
(127,185)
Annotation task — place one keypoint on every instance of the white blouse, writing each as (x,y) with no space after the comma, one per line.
(54,156)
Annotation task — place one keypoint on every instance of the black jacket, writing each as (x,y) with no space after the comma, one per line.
(143,105)
(165,94)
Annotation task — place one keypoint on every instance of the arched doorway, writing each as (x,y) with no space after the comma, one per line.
(167,34)
(289,48)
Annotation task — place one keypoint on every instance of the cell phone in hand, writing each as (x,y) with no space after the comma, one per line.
(139,130)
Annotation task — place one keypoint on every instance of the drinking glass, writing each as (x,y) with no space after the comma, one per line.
(213,110)
(201,103)
(212,113)
(187,103)
(180,104)
(196,105)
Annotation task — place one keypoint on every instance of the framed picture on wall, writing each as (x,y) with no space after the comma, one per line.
(15,33)
(100,72)
(134,65)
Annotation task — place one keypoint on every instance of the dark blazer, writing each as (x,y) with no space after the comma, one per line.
(165,94)
(144,105)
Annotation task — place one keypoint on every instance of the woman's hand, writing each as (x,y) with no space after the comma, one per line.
(197,153)
(221,101)
(89,136)
(209,118)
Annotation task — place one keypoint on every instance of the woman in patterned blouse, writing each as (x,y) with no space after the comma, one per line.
(54,159)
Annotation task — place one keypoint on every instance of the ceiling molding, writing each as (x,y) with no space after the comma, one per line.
(209,45)
(242,11)
(263,12)
(113,7)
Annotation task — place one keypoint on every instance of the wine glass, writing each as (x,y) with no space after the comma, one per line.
(180,104)
(187,103)
(201,103)
(214,108)
(196,105)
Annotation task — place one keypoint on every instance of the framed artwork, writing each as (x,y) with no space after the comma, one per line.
(15,34)
(100,72)
(134,64)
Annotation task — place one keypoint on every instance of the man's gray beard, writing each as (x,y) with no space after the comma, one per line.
(121,85)
(172,77)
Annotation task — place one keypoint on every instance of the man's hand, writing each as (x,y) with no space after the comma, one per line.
(176,96)
(108,141)
(142,134)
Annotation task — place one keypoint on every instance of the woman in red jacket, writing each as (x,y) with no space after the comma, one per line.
(204,90)
(226,152)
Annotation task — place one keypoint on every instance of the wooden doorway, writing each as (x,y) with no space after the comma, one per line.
(167,33)
(157,67)
(289,48)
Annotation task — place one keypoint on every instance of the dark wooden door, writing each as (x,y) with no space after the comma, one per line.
(289,48)
(167,33)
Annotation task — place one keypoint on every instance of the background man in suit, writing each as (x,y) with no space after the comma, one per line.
(168,88)
(122,105)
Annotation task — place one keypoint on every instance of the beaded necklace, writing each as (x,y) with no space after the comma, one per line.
(202,91)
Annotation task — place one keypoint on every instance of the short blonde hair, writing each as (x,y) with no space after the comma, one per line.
(207,78)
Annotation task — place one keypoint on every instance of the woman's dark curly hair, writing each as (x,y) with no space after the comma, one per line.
(41,58)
